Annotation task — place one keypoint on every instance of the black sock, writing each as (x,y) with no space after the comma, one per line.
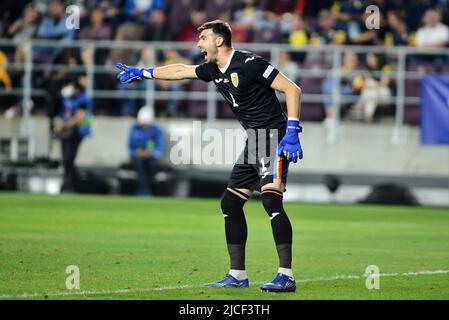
(280,225)
(285,255)
(236,256)
(235,227)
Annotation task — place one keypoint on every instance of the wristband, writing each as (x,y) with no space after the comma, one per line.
(293,124)
(148,73)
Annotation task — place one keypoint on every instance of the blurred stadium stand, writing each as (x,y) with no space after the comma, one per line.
(361,154)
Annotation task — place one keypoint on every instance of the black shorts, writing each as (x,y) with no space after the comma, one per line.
(259,163)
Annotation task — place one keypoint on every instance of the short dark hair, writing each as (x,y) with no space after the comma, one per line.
(221,28)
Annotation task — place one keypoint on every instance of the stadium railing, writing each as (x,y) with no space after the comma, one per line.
(400,55)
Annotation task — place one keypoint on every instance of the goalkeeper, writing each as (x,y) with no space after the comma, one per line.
(248,83)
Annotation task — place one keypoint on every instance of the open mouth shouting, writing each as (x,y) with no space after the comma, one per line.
(204,53)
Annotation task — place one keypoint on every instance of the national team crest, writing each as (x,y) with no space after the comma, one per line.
(235,79)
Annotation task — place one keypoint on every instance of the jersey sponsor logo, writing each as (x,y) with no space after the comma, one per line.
(268,71)
(249,59)
(235,79)
(226,81)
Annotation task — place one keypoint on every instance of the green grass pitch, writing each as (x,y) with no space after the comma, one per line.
(162,248)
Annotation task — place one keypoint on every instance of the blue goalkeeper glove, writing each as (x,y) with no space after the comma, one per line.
(290,146)
(129,74)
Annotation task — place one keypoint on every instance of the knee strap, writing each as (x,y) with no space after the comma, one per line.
(282,229)
(234,217)
(272,200)
(231,203)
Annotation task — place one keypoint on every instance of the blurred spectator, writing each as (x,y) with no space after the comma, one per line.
(179,14)
(57,79)
(171,57)
(128,105)
(126,32)
(285,26)
(289,68)
(190,32)
(5,80)
(146,147)
(53,27)
(6,84)
(396,33)
(127,55)
(358,34)
(350,84)
(10,11)
(74,126)
(347,11)
(249,15)
(414,12)
(97,28)
(214,8)
(433,33)
(25,27)
(157,28)
(298,37)
(377,88)
(276,9)
(140,10)
(327,32)
(111,12)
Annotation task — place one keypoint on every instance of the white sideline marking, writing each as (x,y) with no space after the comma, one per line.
(88,293)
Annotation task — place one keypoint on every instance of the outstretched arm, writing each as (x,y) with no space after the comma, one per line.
(171,72)
(175,72)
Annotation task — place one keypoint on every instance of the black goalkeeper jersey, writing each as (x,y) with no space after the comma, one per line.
(245,85)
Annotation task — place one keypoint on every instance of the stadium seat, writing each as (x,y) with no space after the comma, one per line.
(266,35)
(311,81)
(413,89)
(198,108)
(311,111)
(421,68)
(412,114)
(316,66)
(129,31)
(224,111)
(311,84)
(311,24)
(180,12)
